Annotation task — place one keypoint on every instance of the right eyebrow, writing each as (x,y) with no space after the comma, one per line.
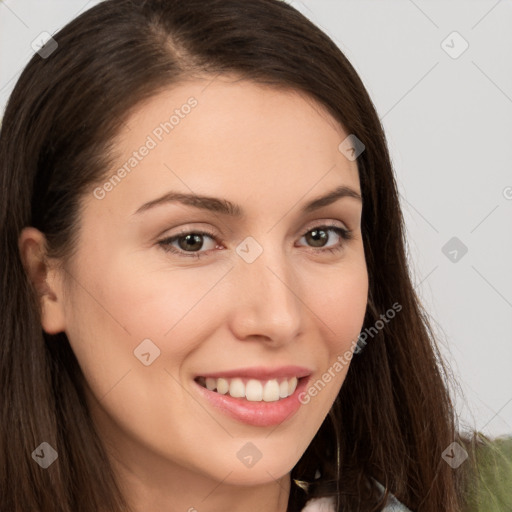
(225,207)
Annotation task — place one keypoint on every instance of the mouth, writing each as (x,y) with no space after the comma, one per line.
(260,397)
(253,390)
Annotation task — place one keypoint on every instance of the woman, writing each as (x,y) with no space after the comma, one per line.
(205,295)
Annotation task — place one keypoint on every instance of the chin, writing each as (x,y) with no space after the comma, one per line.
(252,466)
(257,476)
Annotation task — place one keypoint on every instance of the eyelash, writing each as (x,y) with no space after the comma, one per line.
(345,234)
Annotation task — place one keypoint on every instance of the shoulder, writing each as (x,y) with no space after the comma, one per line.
(319,505)
(328,504)
(393,505)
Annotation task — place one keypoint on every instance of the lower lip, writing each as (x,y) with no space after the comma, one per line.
(259,414)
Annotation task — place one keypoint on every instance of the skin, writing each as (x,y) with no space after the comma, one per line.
(270,151)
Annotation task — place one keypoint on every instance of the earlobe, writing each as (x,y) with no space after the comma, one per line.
(45,278)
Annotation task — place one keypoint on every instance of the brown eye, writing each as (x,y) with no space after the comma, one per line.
(319,236)
(189,243)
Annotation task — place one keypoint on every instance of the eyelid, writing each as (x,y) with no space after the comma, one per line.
(344,232)
(323,223)
(166,242)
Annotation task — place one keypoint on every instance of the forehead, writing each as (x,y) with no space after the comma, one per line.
(229,137)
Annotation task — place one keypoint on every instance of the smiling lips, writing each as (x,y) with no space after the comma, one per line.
(255,384)
(251,389)
(261,396)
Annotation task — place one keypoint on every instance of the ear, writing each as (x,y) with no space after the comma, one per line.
(46,279)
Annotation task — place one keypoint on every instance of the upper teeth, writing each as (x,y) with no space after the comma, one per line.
(253,390)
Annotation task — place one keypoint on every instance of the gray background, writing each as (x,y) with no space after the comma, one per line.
(448,120)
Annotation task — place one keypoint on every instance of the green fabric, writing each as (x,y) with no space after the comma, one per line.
(491,489)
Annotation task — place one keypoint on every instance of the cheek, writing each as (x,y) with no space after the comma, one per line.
(341,305)
(126,302)
(108,318)
(344,304)
(176,308)
(339,308)
(111,308)
(114,316)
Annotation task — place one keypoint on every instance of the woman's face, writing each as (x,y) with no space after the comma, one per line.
(268,296)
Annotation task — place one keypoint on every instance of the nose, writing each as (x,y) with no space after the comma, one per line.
(266,302)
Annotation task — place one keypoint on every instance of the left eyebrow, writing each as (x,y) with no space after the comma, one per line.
(330,198)
(225,207)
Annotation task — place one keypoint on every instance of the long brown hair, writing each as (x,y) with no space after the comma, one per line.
(393,417)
